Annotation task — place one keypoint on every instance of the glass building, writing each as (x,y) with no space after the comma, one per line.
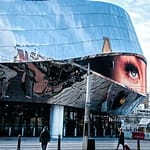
(66,29)
(71,33)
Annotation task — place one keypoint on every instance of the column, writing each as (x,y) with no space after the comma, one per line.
(56,120)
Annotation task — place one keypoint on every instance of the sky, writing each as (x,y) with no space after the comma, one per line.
(138,11)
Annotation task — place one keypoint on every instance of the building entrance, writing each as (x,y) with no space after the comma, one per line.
(26,119)
(101,125)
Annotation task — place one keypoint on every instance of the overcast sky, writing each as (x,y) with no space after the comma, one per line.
(140,16)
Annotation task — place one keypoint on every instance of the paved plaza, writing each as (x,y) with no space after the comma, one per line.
(68,144)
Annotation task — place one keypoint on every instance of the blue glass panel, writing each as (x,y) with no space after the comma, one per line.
(97,46)
(120,30)
(111,32)
(67,22)
(106,20)
(50,49)
(79,9)
(98,32)
(96,7)
(114,45)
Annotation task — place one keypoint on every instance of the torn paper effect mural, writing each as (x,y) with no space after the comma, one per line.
(71,34)
(64,82)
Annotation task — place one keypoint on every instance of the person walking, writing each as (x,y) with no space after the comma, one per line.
(120,139)
(44,138)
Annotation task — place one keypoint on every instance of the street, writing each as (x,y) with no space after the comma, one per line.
(69,144)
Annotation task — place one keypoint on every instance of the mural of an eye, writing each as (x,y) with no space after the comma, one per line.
(133,74)
(132,71)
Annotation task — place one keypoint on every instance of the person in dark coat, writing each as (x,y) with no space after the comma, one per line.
(44,137)
(120,138)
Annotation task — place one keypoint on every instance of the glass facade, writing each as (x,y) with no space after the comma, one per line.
(101,124)
(26,119)
(65,29)
(73,33)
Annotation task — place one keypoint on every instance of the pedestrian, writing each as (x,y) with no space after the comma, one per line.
(44,138)
(120,138)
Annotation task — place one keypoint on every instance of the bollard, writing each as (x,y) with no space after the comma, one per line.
(91,144)
(19,142)
(138,144)
(58,148)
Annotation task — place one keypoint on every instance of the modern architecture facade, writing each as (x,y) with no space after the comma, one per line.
(73,34)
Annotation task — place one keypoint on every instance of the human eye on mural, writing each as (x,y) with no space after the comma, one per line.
(130,70)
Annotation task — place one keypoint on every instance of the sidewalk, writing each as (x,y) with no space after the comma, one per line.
(36,139)
(32,143)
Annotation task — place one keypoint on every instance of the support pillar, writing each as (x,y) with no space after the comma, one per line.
(56,121)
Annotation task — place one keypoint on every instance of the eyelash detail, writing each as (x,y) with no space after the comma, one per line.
(132,71)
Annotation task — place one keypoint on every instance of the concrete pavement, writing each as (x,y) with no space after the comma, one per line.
(68,144)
